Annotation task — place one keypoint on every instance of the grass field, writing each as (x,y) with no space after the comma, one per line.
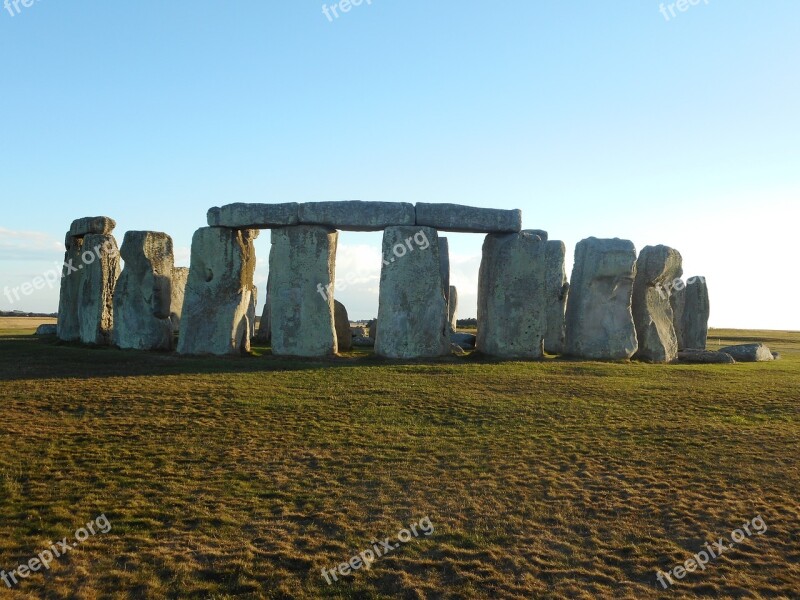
(245,477)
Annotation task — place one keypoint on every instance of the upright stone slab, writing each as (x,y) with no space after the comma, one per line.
(143,297)
(356,215)
(264,333)
(452,308)
(599,318)
(344,335)
(444,267)
(180,277)
(214,319)
(411,308)
(100,266)
(251,311)
(511,296)
(696,312)
(69,326)
(677,300)
(302,266)
(468,219)
(656,269)
(556,292)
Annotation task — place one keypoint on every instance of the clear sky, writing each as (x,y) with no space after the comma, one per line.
(610,119)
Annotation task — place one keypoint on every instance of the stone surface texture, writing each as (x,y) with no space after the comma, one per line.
(468,219)
(357,215)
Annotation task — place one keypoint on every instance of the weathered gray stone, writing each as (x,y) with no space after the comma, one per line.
(466,341)
(344,336)
(599,319)
(87,225)
(180,276)
(749,353)
(511,296)
(361,341)
(656,268)
(556,291)
(705,357)
(302,273)
(100,265)
(357,215)
(46,329)
(677,300)
(143,296)
(251,311)
(411,311)
(540,232)
(254,216)
(468,219)
(444,268)
(69,327)
(696,312)
(214,319)
(452,308)
(372,327)
(264,333)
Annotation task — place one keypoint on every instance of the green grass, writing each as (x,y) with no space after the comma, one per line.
(244,477)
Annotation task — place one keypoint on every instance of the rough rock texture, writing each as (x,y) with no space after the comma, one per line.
(180,276)
(264,333)
(356,215)
(705,357)
(466,341)
(214,319)
(511,296)
(69,328)
(599,319)
(363,341)
(677,300)
(452,308)
(444,267)
(344,335)
(656,268)
(749,353)
(372,327)
(254,216)
(696,311)
(455,217)
(87,225)
(251,311)
(96,294)
(46,329)
(302,271)
(143,297)
(540,232)
(412,311)
(556,290)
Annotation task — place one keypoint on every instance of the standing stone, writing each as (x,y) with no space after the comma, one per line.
(100,266)
(264,333)
(599,318)
(411,308)
(696,312)
(372,328)
(452,308)
(344,335)
(251,311)
(677,300)
(302,266)
(511,296)
(180,276)
(214,319)
(656,269)
(556,292)
(69,327)
(143,297)
(444,267)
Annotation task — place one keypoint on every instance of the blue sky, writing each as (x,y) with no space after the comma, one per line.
(594,118)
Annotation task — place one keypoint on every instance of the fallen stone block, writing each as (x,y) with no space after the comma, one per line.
(705,357)
(749,352)
(46,329)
